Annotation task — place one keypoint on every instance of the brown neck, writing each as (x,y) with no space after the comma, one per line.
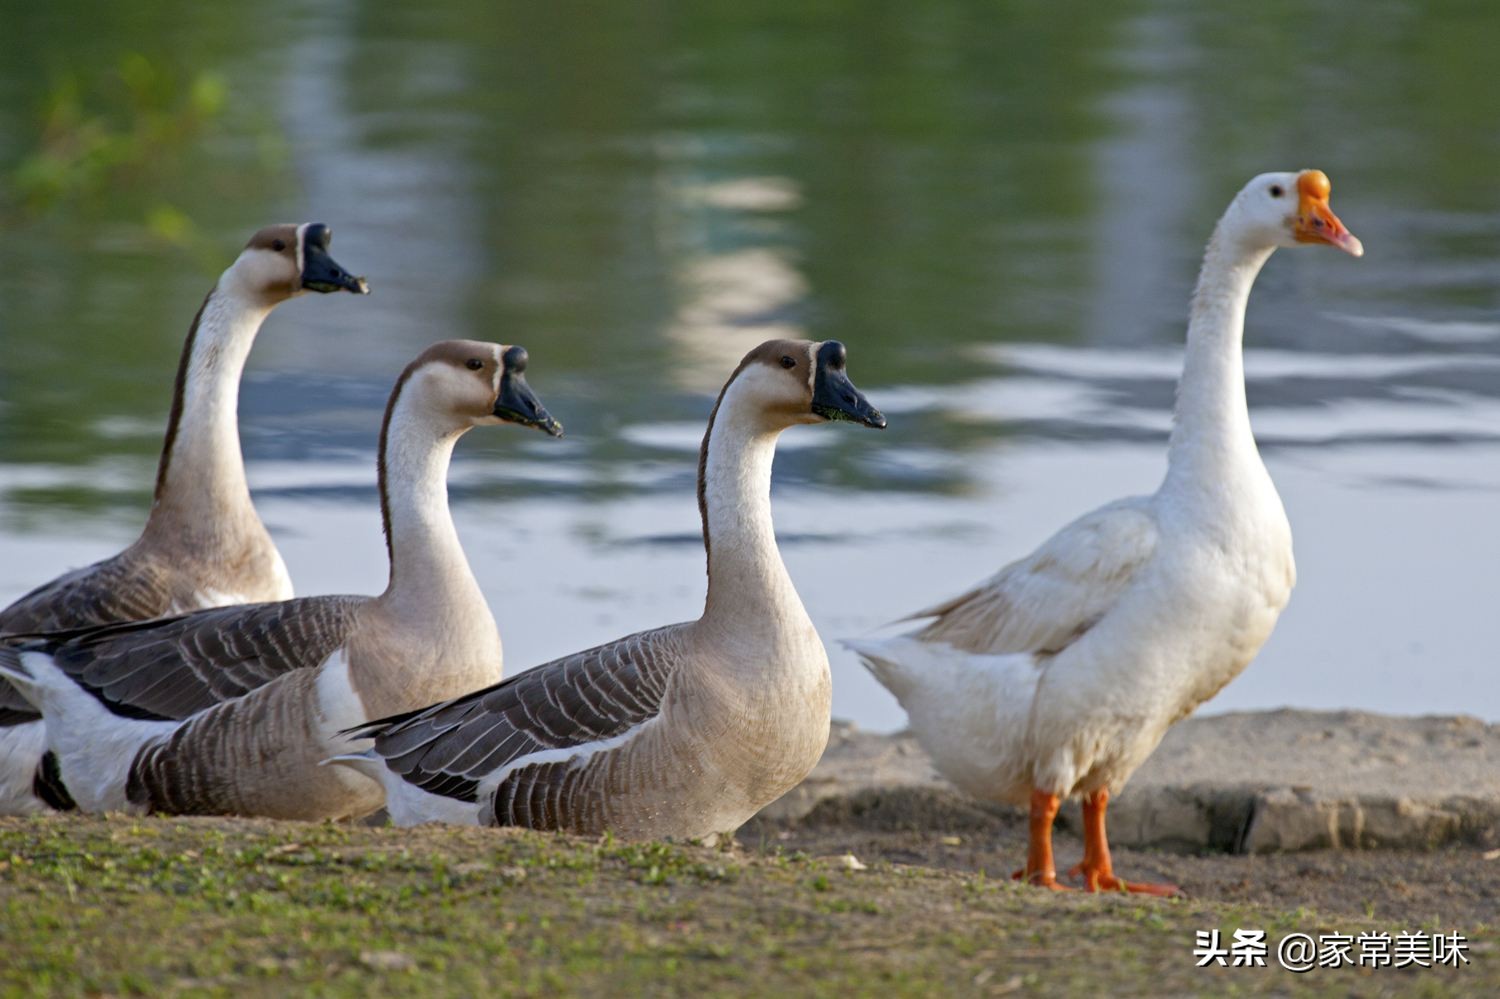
(200,480)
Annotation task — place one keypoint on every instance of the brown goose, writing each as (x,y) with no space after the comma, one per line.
(203,545)
(686,730)
(230,710)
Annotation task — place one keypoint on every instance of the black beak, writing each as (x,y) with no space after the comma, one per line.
(517,403)
(320,272)
(834,395)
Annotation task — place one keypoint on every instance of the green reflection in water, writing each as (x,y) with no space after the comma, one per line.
(636,193)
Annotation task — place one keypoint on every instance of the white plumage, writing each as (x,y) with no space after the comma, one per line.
(1061,673)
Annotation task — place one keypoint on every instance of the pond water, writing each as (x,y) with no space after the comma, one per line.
(998,208)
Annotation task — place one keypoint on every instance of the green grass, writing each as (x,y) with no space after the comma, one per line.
(145,906)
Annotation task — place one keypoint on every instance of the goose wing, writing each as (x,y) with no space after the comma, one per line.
(577,702)
(116,589)
(97,594)
(1046,601)
(173,667)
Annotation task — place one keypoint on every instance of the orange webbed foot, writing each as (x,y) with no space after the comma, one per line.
(1096,880)
(1096,870)
(1158,889)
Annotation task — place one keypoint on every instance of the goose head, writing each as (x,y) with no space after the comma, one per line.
(1288,209)
(459,384)
(281,261)
(803,381)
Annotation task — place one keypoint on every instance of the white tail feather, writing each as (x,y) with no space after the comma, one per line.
(13,671)
(407,804)
(876,654)
(95,748)
(21,748)
(366,763)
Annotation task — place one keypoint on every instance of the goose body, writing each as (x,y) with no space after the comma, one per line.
(683,731)
(1060,674)
(230,710)
(203,544)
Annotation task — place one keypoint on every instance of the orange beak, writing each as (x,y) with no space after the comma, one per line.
(1316,222)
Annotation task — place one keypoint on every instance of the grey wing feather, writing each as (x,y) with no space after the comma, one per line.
(117,589)
(171,668)
(587,697)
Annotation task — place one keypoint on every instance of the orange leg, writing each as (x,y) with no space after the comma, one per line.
(1096,869)
(1040,870)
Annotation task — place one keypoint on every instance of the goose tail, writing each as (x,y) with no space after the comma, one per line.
(14,672)
(94,748)
(888,660)
(30,783)
(365,763)
(49,689)
(406,804)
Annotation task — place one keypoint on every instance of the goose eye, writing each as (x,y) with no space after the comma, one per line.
(474,364)
(1277,190)
(787,361)
(278,245)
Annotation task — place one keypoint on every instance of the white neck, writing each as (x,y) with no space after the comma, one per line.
(1211,436)
(429,574)
(747,581)
(201,479)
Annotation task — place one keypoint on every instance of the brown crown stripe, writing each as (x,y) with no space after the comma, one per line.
(266,238)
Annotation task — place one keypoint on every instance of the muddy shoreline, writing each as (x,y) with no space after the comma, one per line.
(1248,782)
(1343,812)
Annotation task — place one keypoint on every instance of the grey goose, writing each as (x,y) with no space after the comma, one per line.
(203,545)
(230,710)
(682,731)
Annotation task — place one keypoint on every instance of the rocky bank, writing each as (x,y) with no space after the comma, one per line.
(1253,782)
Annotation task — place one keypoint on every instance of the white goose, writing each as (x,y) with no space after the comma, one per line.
(230,710)
(682,731)
(203,545)
(1060,674)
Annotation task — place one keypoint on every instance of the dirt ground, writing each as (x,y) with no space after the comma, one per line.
(1453,887)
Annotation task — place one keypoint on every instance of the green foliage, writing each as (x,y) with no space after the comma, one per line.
(98,135)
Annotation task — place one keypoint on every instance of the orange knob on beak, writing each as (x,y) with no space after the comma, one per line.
(1316,222)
